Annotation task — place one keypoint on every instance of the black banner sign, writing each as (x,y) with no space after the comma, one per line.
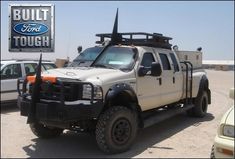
(31,28)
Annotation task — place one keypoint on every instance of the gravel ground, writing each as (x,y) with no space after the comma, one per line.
(180,136)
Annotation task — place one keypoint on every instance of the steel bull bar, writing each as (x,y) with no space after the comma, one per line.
(58,109)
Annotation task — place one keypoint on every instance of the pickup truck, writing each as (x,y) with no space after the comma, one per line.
(133,83)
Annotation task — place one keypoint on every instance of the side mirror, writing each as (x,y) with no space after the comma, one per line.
(231,93)
(79,49)
(142,71)
(156,69)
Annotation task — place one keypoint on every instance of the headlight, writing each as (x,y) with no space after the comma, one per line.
(228,130)
(86,93)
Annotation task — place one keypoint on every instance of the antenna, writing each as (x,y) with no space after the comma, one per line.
(115,38)
(35,93)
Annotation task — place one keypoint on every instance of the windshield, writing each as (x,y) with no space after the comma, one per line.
(86,57)
(122,58)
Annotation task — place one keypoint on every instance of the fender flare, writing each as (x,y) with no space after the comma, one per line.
(116,89)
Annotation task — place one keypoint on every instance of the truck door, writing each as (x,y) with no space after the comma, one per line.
(177,78)
(148,87)
(9,76)
(171,86)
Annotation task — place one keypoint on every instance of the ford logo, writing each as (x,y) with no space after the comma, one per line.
(30,28)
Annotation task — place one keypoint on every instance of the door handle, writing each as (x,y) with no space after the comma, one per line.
(160,80)
(173,79)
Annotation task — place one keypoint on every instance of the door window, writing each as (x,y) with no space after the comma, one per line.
(147,60)
(30,68)
(176,66)
(165,61)
(11,71)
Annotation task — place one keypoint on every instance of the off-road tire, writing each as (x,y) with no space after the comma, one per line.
(116,129)
(43,131)
(201,105)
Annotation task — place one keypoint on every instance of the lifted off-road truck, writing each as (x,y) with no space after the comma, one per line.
(133,83)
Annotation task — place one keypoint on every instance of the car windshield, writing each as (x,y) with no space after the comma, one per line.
(122,58)
(86,57)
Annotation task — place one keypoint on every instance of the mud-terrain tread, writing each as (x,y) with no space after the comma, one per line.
(103,121)
(197,110)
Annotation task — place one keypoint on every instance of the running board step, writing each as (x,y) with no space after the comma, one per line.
(164,114)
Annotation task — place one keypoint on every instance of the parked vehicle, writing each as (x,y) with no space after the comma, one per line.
(11,70)
(224,141)
(133,83)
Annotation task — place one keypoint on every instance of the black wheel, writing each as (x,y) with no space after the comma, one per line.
(43,131)
(116,129)
(212,152)
(201,104)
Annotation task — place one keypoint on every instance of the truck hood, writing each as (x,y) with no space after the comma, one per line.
(95,75)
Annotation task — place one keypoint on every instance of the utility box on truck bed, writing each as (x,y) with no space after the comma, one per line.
(195,57)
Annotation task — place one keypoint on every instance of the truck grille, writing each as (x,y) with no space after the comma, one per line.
(49,91)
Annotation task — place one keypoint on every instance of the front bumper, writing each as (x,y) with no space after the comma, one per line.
(224,147)
(55,111)
(59,108)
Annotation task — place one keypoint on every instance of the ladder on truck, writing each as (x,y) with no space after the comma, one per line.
(188,82)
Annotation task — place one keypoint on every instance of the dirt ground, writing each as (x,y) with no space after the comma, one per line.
(178,137)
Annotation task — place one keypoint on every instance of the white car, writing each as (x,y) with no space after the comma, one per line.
(11,70)
(224,141)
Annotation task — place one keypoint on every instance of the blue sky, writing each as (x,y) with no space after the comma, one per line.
(190,24)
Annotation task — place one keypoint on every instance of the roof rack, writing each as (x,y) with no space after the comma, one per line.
(139,39)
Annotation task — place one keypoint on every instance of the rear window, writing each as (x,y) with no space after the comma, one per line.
(165,61)
(176,66)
